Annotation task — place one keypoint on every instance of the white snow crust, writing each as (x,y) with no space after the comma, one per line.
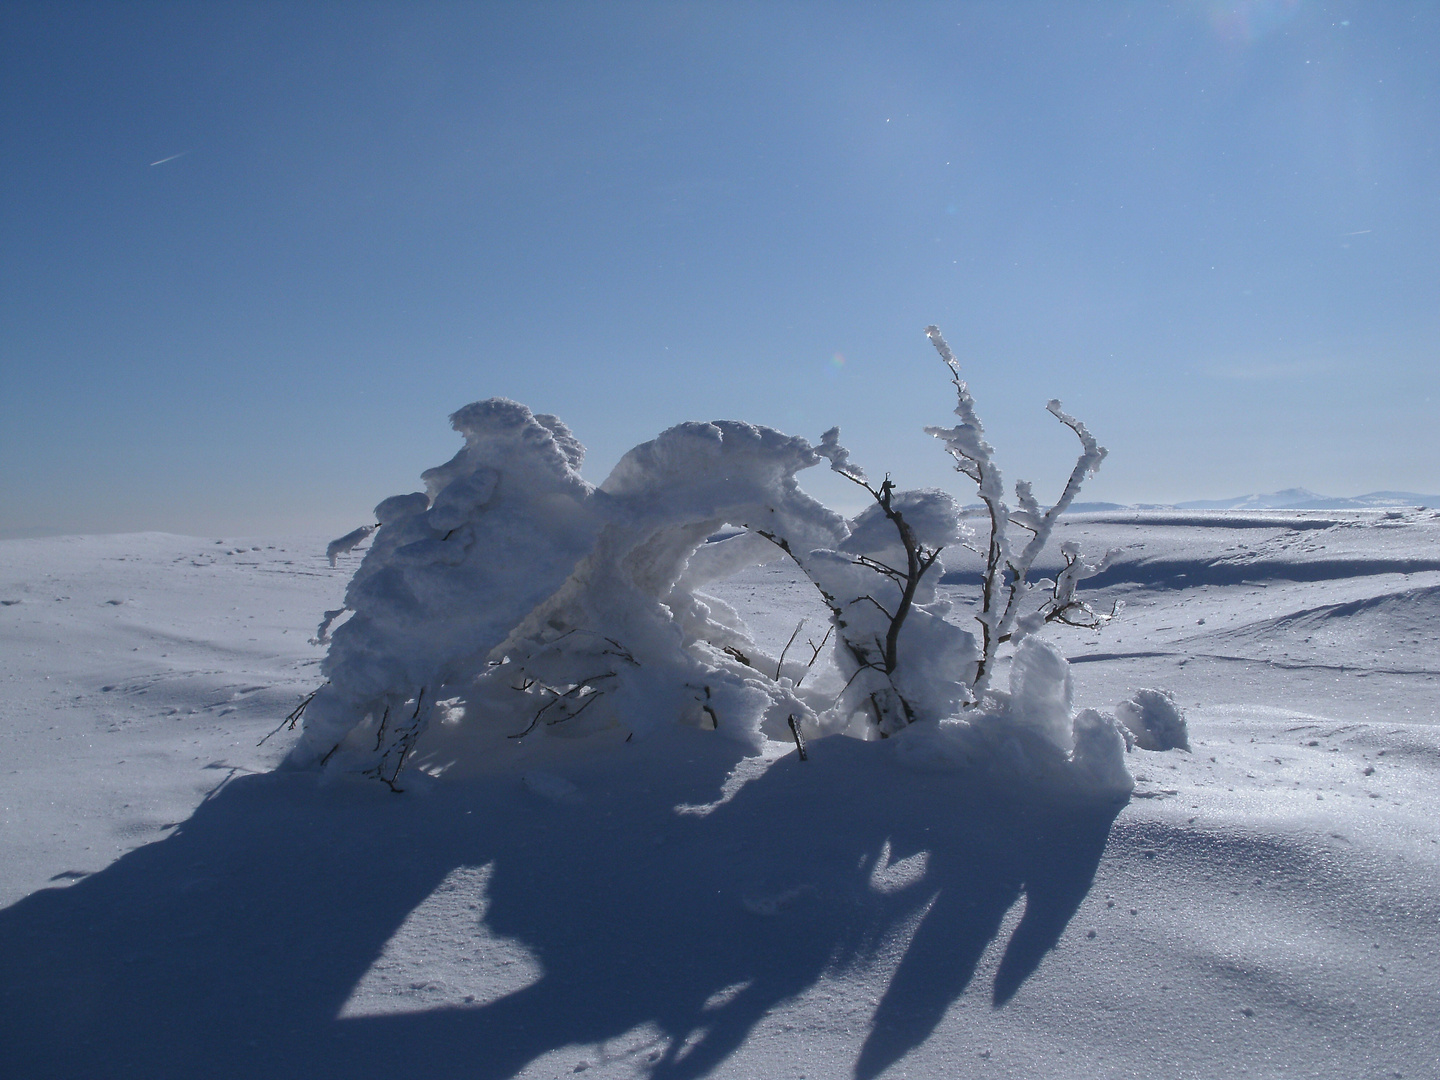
(691,904)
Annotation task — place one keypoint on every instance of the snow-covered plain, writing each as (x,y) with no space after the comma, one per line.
(1265,905)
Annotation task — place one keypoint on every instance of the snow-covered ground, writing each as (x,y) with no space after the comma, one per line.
(1265,905)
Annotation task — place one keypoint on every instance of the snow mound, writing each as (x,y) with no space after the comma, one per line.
(1155,721)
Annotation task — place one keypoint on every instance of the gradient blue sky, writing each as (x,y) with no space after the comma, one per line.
(1212,229)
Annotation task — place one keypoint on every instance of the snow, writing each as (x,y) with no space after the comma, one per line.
(1154,720)
(1267,903)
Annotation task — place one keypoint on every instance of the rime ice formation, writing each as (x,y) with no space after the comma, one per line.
(579,599)
(515,598)
(630,613)
(448,575)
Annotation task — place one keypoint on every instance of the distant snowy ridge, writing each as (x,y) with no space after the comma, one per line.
(1289,499)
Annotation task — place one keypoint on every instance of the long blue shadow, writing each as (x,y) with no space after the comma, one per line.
(230,948)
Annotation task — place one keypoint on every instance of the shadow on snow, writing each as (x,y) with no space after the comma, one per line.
(230,948)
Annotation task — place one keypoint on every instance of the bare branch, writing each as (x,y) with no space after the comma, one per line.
(780,664)
(815,649)
(293,717)
(877,603)
(589,700)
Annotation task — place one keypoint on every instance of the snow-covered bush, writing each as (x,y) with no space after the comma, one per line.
(512,597)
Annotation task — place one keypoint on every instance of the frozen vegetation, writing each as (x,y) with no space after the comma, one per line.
(519,601)
(611,858)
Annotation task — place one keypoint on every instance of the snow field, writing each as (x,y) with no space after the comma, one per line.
(669,907)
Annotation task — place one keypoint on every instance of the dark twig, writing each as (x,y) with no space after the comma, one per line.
(577,687)
(589,700)
(814,654)
(799,739)
(780,664)
(877,603)
(731,651)
(380,731)
(815,649)
(295,714)
(400,749)
(879,567)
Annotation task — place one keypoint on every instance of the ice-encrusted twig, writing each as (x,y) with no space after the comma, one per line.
(975,457)
(839,457)
(1041,525)
(322,632)
(1006,571)
(1064,606)
(349,542)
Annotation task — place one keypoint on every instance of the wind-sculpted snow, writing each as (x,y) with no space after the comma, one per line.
(1154,721)
(512,599)
(446,578)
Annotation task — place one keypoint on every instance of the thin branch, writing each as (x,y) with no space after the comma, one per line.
(295,714)
(575,688)
(571,716)
(814,654)
(815,649)
(877,603)
(400,749)
(780,664)
(879,567)
(380,731)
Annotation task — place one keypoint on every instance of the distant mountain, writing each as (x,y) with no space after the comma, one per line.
(1302,499)
(1289,499)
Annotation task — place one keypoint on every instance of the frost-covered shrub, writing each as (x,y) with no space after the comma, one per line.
(581,600)
(879,584)
(449,574)
(684,657)
(515,599)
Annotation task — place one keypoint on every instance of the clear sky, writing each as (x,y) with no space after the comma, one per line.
(252,256)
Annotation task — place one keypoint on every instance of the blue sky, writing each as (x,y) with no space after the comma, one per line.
(1212,229)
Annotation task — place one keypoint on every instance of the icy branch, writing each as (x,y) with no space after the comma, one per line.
(975,457)
(839,457)
(349,542)
(1006,571)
